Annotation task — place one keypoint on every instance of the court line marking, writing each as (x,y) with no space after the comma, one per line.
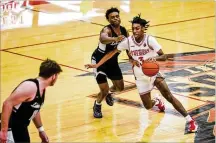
(174,22)
(177,41)
(88,71)
(81,37)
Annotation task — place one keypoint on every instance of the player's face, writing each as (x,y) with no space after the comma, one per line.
(114,18)
(138,30)
(53,79)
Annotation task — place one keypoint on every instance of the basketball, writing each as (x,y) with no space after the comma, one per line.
(150,68)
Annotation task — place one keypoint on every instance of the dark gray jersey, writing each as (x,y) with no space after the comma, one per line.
(23,113)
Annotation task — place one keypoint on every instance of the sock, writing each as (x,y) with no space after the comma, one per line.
(188,118)
(97,103)
(156,101)
(156,96)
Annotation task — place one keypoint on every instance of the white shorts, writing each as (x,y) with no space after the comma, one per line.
(144,83)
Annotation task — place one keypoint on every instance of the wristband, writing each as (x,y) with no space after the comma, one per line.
(41,129)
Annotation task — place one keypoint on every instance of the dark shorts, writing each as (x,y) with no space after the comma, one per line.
(18,134)
(109,69)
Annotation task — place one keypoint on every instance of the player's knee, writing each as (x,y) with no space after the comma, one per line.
(101,78)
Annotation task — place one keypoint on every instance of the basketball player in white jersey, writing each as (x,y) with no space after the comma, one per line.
(143,47)
(24,104)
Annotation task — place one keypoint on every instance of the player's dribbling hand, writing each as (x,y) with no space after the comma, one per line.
(91,66)
(151,60)
(135,63)
(3,136)
(44,137)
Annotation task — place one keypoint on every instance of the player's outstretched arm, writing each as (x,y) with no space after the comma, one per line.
(161,57)
(106,36)
(103,60)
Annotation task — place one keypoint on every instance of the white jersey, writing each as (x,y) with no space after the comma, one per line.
(147,48)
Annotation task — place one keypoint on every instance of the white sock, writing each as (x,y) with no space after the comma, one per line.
(156,96)
(188,118)
(97,103)
(156,101)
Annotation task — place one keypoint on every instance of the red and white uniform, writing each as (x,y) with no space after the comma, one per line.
(146,49)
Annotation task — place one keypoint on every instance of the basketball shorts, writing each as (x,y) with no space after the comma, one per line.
(144,83)
(18,134)
(108,69)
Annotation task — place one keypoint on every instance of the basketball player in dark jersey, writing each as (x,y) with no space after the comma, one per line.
(110,36)
(24,103)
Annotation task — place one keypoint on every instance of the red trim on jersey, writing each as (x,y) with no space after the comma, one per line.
(138,44)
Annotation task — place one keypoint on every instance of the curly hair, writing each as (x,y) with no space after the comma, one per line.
(139,20)
(112,9)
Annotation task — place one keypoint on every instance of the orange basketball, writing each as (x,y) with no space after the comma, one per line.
(150,68)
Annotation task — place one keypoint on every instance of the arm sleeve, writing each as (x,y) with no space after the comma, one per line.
(154,44)
(123,45)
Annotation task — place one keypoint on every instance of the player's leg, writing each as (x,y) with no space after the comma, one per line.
(118,85)
(145,94)
(104,87)
(144,87)
(101,79)
(163,88)
(115,75)
(146,100)
(104,90)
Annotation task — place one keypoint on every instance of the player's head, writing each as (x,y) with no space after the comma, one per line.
(139,26)
(49,70)
(112,15)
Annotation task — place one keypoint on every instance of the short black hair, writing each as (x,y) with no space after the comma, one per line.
(112,9)
(49,68)
(139,20)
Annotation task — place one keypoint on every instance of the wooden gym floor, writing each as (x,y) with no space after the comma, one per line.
(68,32)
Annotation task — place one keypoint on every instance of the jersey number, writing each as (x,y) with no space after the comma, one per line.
(141,59)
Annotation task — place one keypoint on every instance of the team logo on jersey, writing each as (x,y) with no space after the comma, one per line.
(114,43)
(144,44)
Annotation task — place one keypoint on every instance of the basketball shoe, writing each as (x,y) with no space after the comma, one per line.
(97,111)
(159,104)
(109,99)
(193,126)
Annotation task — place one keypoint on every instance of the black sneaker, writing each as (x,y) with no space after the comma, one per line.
(109,99)
(97,111)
